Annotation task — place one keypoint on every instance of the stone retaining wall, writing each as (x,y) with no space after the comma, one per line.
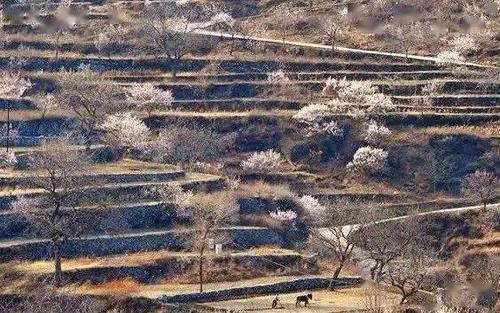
(235,66)
(242,238)
(173,266)
(298,285)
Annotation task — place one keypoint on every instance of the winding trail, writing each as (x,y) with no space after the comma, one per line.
(353,227)
(327,47)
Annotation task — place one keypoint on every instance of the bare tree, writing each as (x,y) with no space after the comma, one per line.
(60,21)
(52,212)
(332,27)
(481,185)
(45,104)
(90,97)
(338,232)
(485,271)
(285,20)
(207,213)
(386,241)
(410,273)
(170,29)
(186,145)
(409,34)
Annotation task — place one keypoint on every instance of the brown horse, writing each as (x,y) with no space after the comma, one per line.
(303,298)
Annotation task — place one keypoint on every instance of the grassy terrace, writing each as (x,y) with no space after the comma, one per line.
(123,166)
(188,180)
(130,259)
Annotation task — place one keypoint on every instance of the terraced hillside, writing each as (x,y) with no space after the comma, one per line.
(261,125)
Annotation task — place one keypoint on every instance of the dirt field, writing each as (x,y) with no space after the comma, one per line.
(322,302)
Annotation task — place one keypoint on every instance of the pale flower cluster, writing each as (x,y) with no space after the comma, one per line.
(124,129)
(376,133)
(149,97)
(317,119)
(459,46)
(432,88)
(368,159)
(311,204)
(464,44)
(7,159)
(449,56)
(356,98)
(263,161)
(173,193)
(284,216)
(12,86)
(278,77)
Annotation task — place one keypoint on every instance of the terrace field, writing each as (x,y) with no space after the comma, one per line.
(247,152)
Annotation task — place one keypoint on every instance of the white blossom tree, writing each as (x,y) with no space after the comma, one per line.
(376,133)
(148,97)
(124,129)
(449,56)
(7,160)
(311,205)
(287,216)
(170,28)
(318,120)
(45,104)
(51,213)
(12,86)
(409,274)
(263,162)
(357,98)
(90,98)
(101,42)
(368,160)
(464,44)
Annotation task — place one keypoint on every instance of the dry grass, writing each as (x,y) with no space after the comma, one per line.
(340,300)
(131,259)
(169,288)
(419,136)
(264,190)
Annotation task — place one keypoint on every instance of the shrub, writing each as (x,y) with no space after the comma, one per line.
(317,119)
(188,145)
(368,159)
(148,97)
(463,44)
(311,204)
(449,56)
(124,129)
(263,162)
(376,133)
(7,160)
(284,216)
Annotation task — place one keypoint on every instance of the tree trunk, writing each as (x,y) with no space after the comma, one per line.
(57,265)
(335,276)
(174,68)
(200,269)
(58,37)
(404,297)
(8,126)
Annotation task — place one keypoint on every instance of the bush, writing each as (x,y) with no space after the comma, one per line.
(188,145)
